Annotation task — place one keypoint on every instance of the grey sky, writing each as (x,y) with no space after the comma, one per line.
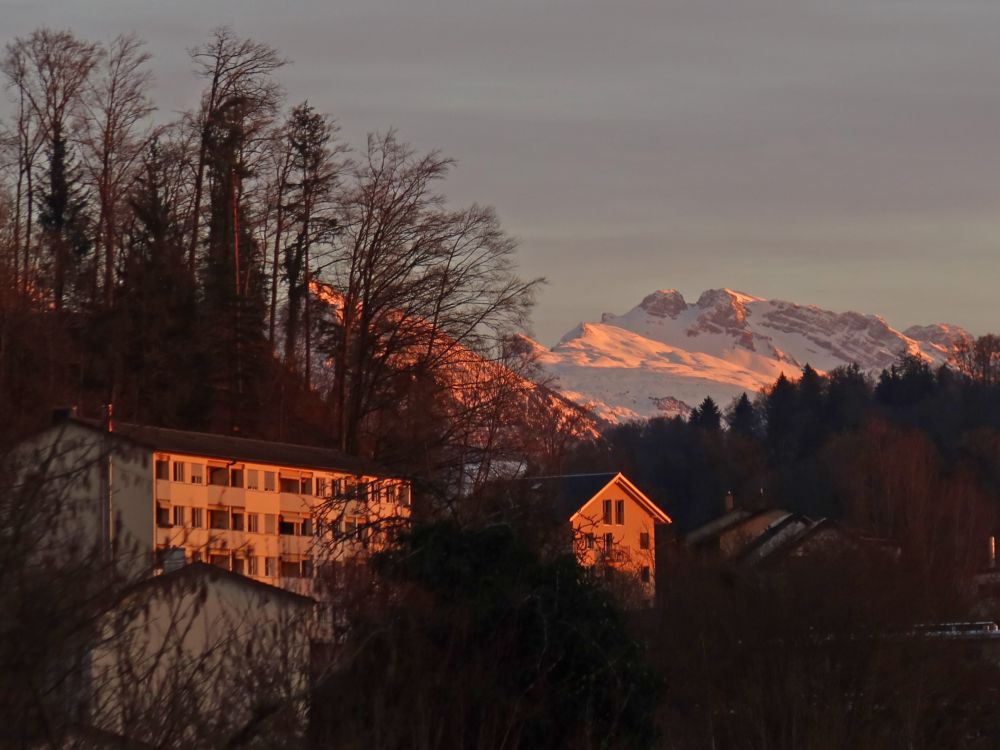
(839,152)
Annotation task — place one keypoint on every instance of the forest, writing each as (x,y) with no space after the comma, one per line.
(239,269)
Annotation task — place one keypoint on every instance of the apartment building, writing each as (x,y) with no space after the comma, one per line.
(274,512)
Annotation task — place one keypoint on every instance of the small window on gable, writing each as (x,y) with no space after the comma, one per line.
(607,511)
(619,512)
(609,542)
(590,541)
(162,469)
(644,540)
(644,574)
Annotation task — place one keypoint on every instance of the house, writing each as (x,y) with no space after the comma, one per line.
(614,524)
(194,656)
(270,511)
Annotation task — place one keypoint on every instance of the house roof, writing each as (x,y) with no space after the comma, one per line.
(720,525)
(213,573)
(243,449)
(570,492)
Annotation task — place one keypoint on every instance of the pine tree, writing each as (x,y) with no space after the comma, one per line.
(234,307)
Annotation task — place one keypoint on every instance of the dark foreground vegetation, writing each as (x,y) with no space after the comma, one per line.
(240,271)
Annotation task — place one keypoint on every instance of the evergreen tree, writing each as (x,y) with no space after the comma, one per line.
(65,226)
(234,308)
(706,416)
(742,417)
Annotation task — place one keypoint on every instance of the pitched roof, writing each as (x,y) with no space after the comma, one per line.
(212,573)
(243,449)
(570,492)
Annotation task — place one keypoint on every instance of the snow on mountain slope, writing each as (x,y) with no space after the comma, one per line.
(665,355)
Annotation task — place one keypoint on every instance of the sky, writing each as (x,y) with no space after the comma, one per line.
(843,153)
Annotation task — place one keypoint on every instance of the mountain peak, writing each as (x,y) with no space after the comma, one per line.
(665,351)
(664,303)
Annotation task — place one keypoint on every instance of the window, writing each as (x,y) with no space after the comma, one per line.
(221,561)
(162,516)
(306,485)
(286,528)
(162,469)
(237,521)
(253,479)
(607,511)
(269,519)
(218,519)
(195,556)
(321,487)
(236,477)
(178,471)
(307,527)
(290,569)
(590,541)
(644,540)
(270,567)
(644,574)
(619,512)
(252,522)
(609,542)
(288,484)
(252,565)
(239,565)
(178,515)
(269,481)
(196,519)
(307,568)
(197,474)
(218,476)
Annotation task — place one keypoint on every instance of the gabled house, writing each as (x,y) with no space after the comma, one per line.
(614,524)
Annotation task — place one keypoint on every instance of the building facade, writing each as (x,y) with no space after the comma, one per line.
(274,512)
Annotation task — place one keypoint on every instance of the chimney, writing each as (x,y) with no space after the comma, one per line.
(63,414)
(173,559)
(730,502)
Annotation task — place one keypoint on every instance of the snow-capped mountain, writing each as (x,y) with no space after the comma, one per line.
(665,355)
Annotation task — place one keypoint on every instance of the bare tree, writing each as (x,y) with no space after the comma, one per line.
(50,70)
(417,283)
(115,108)
(234,69)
